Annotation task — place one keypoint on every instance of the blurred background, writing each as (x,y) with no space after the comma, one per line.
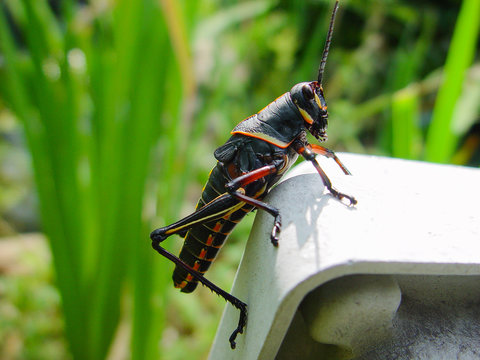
(109,115)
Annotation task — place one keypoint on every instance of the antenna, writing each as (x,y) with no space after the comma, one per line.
(327,44)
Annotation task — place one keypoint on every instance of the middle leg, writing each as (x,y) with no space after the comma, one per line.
(236,189)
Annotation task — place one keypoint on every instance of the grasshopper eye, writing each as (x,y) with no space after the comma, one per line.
(307,92)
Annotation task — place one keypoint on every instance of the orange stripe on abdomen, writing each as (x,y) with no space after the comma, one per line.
(201,247)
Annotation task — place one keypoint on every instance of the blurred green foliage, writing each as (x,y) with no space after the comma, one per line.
(123,102)
(31,325)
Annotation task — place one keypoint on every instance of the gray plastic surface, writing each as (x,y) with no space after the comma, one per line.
(412,219)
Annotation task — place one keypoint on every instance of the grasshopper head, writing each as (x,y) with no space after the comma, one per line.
(308,98)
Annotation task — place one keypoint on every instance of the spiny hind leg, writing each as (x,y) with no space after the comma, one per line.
(216,208)
(242,321)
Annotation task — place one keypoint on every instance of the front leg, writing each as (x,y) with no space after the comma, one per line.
(305,150)
(236,189)
(317,149)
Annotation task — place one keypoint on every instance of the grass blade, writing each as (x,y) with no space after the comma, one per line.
(441,140)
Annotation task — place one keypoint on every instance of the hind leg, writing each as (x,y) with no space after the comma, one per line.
(242,321)
(216,208)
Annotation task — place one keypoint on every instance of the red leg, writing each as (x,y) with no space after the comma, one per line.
(235,188)
(317,149)
(309,155)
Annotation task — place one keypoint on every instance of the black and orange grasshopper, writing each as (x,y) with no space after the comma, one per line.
(261,149)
